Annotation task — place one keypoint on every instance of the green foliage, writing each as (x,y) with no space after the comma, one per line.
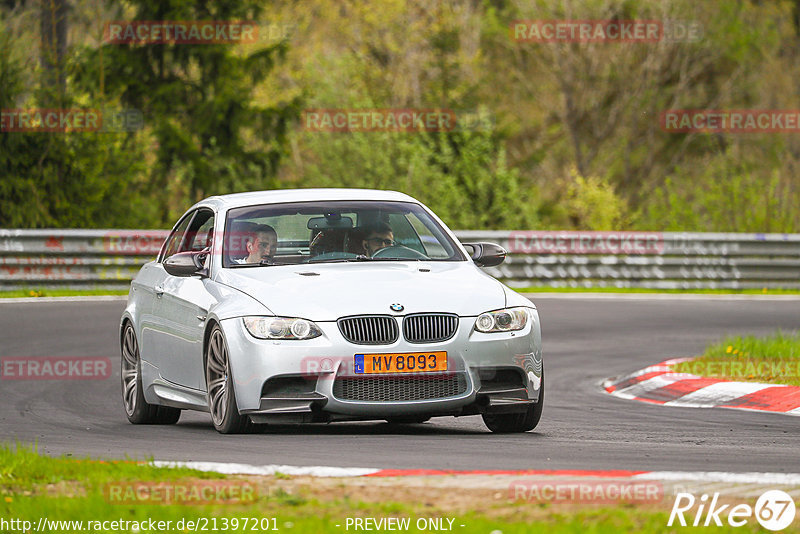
(462,176)
(74,180)
(22,466)
(59,179)
(221,118)
(209,133)
(593,204)
(730,195)
(204,133)
(771,359)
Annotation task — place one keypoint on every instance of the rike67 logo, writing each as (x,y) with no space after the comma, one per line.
(774,510)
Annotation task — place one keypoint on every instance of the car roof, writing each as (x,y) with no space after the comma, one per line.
(301,195)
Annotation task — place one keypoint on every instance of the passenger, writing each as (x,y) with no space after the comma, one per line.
(260,243)
(377,237)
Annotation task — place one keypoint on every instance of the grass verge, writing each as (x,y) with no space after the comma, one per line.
(33,487)
(773,359)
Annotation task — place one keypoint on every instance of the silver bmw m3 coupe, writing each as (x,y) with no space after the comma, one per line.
(321,305)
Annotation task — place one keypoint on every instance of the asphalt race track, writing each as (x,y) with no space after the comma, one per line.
(585,341)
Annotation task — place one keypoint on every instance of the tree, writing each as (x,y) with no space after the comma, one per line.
(210,137)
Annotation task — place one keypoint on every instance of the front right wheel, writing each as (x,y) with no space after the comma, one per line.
(517,422)
(221,394)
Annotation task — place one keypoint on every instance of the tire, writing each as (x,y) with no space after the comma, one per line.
(517,422)
(137,409)
(408,420)
(219,385)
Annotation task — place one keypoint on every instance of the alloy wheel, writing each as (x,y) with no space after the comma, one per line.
(130,370)
(217,370)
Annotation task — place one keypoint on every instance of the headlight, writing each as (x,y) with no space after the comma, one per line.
(281,328)
(506,320)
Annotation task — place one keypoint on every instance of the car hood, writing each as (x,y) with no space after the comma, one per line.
(325,292)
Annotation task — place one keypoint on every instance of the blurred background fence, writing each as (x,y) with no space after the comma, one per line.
(110,258)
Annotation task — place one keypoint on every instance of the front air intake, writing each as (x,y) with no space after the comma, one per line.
(399,388)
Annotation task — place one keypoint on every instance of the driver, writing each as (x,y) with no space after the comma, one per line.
(376,237)
(260,244)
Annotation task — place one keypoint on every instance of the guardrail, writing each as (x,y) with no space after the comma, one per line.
(110,258)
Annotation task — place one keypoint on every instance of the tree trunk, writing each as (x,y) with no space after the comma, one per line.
(53,48)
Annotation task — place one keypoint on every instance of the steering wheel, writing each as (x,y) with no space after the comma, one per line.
(400,252)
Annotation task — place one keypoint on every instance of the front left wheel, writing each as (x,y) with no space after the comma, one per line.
(517,422)
(219,383)
(138,410)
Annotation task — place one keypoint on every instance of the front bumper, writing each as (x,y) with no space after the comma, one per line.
(496,372)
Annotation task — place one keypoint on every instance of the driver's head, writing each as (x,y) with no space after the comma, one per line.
(377,236)
(262,243)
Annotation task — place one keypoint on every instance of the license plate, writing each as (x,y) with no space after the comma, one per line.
(407,362)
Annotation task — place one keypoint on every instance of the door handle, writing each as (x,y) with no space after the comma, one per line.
(159,289)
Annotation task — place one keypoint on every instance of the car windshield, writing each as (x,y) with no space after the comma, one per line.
(334,231)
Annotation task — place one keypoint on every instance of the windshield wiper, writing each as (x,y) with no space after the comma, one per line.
(360,257)
(389,258)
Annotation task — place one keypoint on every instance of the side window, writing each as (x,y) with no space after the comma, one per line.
(176,237)
(200,232)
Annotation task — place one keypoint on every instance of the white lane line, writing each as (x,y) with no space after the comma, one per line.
(245,469)
(88,298)
(675,361)
(716,394)
(646,386)
(663,367)
(796,411)
(787,479)
(652,369)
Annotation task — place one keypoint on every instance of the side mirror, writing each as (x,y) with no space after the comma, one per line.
(486,254)
(186,263)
